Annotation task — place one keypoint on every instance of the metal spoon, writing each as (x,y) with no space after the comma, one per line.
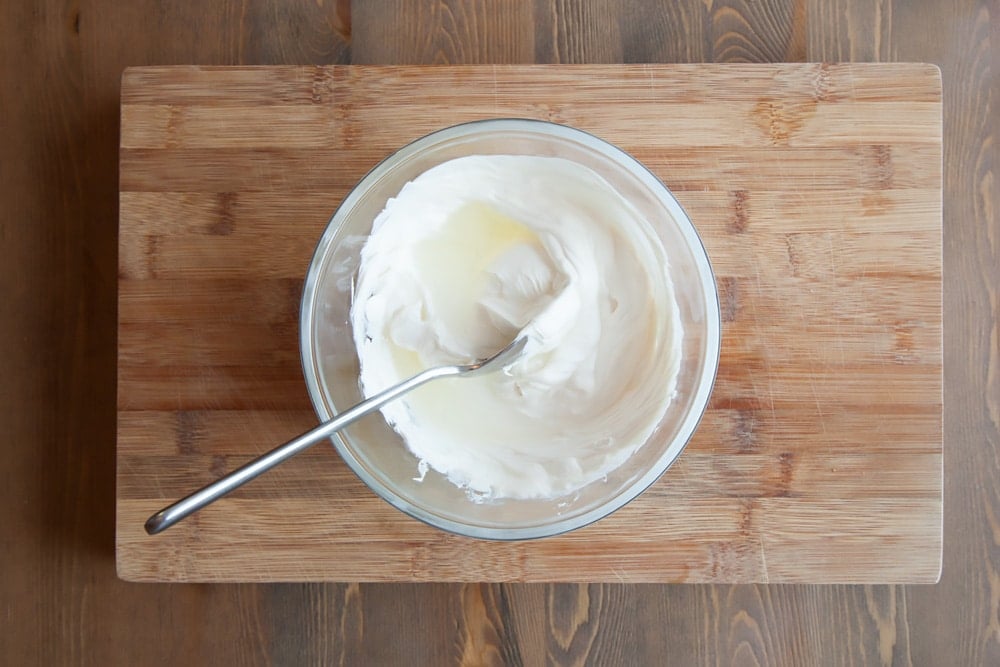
(184,507)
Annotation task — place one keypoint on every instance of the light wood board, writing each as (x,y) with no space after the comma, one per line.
(816,189)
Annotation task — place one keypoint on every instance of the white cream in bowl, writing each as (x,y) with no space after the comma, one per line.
(479,249)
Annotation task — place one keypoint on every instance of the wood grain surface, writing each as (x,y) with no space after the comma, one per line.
(58,273)
(817,192)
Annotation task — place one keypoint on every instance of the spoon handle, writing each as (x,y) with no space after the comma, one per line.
(188,505)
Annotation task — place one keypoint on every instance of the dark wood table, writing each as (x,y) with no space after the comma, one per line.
(60,65)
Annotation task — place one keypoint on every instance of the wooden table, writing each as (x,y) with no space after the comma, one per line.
(61,66)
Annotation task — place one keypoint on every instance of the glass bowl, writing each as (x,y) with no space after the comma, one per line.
(376,452)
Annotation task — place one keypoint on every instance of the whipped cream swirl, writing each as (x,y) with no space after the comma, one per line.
(480,249)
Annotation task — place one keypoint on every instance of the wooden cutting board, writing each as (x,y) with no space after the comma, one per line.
(816,189)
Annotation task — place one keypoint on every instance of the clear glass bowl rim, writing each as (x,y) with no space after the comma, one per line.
(712,320)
